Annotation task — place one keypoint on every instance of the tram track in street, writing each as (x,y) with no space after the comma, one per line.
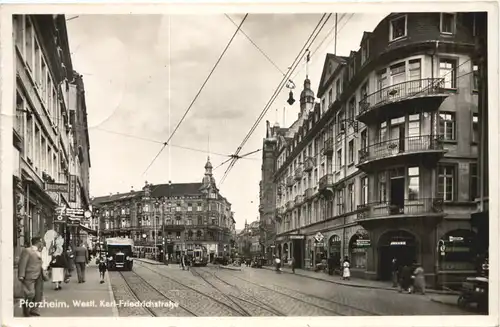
(127,276)
(237,310)
(350,307)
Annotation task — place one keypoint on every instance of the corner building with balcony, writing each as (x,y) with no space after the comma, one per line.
(386,166)
(175,215)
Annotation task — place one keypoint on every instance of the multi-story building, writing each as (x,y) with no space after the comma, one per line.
(248,240)
(177,215)
(48,129)
(378,170)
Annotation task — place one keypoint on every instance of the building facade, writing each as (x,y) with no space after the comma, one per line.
(377,170)
(46,131)
(249,240)
(175,215)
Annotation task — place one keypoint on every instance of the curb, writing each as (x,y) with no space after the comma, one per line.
(443,302)
(149,262)
(363,286)
(227,268)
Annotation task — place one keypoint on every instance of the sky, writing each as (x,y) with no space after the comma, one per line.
(141,72)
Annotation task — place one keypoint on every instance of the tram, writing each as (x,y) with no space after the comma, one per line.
(200,256)
(119,253)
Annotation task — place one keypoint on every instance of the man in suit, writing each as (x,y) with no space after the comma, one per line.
(81,260)
(30,273)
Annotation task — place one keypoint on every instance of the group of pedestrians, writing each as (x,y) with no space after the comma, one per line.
(32,275)
(409,278)
(185,262)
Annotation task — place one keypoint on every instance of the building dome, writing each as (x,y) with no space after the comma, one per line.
(307,92)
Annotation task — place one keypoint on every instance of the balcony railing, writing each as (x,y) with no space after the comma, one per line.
(401,91)
(290,204)
(299,199)
(290,181)
(298,174)
(309,164)
(395,147)
(328,146)
(416,206)
(309,193)
(325,182)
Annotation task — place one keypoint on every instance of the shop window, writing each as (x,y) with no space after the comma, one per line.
(358,246)
(334,250)
(457,250)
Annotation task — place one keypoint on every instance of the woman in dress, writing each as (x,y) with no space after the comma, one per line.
(346,269)
(419,278)
(58,263)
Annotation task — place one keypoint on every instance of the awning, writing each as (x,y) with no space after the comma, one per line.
(88,230)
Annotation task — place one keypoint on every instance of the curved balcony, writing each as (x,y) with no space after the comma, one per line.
(290,205)
(325,183)
(423,148)
(309,164)
(279,212)
(418,207)
(309,194)
(328,147)
(290,181)
(298,174)
(396,100)
(299,199)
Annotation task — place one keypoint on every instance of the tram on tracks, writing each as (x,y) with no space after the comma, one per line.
(200,256)
(119,253)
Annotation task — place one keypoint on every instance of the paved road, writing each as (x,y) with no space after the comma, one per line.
(209,291)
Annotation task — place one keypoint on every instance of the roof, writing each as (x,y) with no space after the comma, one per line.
(116,197)
(326,75)
(168,190)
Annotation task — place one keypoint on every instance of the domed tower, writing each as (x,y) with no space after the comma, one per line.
(208,182)
(306,98)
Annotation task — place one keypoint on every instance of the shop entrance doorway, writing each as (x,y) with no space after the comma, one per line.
(399,245)
(298,253)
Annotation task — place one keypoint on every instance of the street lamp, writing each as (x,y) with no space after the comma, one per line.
(163,224)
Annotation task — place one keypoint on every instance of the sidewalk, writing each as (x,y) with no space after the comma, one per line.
(361,283)
(77,300)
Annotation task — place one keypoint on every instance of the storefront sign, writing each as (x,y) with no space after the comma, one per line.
(296,237)
(60,219)
(456,239)
(319,244)
(398,243)
(73,222)
(360,243)
(56,187)
(72,188)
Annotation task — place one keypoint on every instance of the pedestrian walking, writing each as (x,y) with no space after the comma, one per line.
(70,264)
(58,264)
(395,270)
(278,264)
(183,261)
(32,276)
(81,260)
(405,281)
(102,264)
(292,262)
(419,281)
(346,269)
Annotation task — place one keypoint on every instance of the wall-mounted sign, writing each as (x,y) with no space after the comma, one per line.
(56,187)
(319,237)
(362,243)
(60,219)
(296,237)
(398,243)
(72,188)
(319,244)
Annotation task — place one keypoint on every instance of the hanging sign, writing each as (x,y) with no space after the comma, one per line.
(72,188)
(319,237)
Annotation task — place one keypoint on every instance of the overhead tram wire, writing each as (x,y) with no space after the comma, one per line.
(197,94)
(285,79)
(294,65)
(257,47)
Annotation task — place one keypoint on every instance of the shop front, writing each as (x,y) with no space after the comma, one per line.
(396,244)
(457,257)
(298,245)
(335,251)
(358,253)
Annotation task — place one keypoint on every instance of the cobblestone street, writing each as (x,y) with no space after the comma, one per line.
(212,291)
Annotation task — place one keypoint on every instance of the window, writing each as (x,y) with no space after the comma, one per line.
(351,68)
(178,235)
(190,207)
(178,207)
(352,109)
(397,28)
(447,71)
(475,77)
(398,73)
(415,74)
(446,183)
(364,139)
(475,128)
(338,88)
(414,125)
(365,52)
(364,91)
(364,190)
(473,192)
(413,183)
(447,23)
(323,106)
(382,132)
(351,151)
(29,44)
(381,79)
(19,32)
(339,158)
(199,207)
(38,65)
(330,97)
(447,125)
(340,201)
(351,197)
(382,187)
